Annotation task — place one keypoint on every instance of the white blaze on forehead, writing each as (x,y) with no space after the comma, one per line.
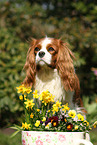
(45,42)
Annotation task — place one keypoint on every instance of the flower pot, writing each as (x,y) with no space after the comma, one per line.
(54,138)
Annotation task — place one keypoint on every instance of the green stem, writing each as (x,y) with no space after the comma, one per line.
(25,114)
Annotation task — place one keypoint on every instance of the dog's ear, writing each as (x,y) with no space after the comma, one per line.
(30,66)
(66,71)
(65,67)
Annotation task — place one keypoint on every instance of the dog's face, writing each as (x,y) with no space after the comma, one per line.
(53,53)
(45,52)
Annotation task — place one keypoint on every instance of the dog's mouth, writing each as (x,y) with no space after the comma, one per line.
(41,63)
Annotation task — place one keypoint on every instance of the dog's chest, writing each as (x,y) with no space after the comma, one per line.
(50,80)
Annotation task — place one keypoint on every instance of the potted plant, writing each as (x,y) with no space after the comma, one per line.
(48,122)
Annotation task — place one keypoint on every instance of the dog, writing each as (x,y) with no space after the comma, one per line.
(49,65)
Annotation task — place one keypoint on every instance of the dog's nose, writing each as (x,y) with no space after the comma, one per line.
(41,54)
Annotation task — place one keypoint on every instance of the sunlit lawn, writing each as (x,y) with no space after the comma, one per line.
(6,140)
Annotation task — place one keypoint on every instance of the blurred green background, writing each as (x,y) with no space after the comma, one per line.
(73,21)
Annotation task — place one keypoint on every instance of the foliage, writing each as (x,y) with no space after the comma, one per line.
(74,22)
(91,107)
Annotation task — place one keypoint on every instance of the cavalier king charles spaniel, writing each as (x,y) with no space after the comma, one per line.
(49,66)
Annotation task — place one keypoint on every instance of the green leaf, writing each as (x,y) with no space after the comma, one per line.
(14,133)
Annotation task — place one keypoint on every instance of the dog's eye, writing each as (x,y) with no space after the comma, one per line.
(36,49)
(51,49)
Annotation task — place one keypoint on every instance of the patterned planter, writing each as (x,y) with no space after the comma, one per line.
(54,138)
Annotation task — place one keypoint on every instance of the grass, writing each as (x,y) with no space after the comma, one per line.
(6,140)
(93,136)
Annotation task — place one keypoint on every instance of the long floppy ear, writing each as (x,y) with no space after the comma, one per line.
(66,70)
(30,66)
(65,67)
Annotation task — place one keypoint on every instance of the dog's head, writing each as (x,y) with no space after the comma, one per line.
(45,52)
(52,53)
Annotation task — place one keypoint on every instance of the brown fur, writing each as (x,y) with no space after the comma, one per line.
(62,61)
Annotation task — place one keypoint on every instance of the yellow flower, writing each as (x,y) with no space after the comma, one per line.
(38,110)
(25,97)
(44,119)
(46,97)
(65,107)
(86,123)
(58,104)
(55,109)
(31,116)
(21,97)
(35,95)
(76,127)
(54,106)
(26,126)
(48,125)
(23,89)
(28,90)
(20,88)
(29,103)
(48,111)
(95,124)
(80,117)
(72,113)
(37,123)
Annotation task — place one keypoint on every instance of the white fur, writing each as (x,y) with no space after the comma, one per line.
(49,79)
(47,57)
